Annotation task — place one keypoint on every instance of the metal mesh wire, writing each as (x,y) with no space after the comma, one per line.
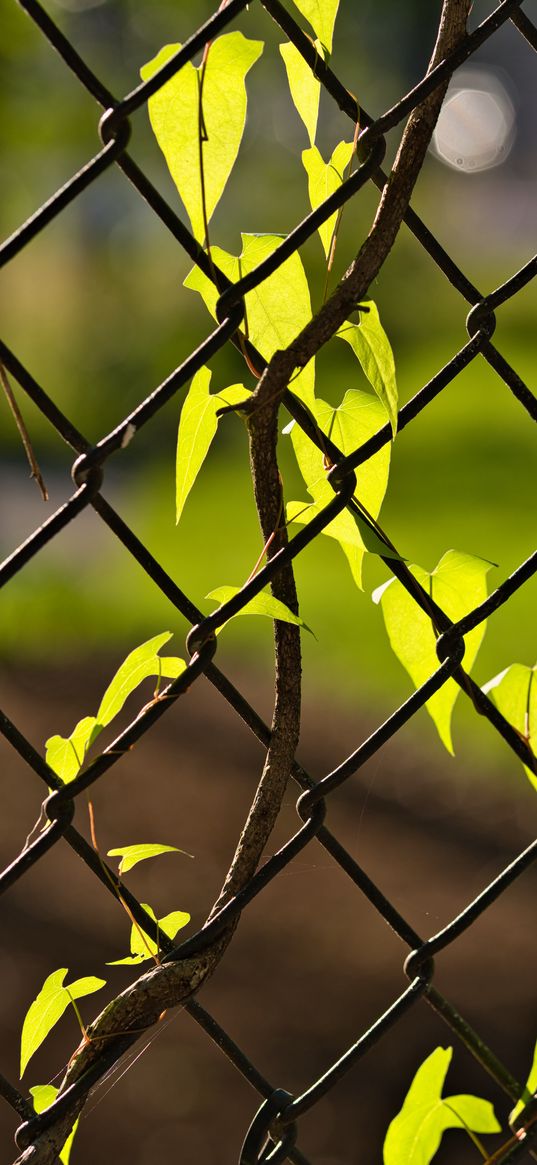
(266,1140)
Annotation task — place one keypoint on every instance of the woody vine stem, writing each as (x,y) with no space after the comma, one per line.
(174,983)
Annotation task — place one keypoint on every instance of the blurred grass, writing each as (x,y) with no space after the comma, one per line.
(96,309)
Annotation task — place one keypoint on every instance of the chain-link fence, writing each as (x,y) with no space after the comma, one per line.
(275,1132)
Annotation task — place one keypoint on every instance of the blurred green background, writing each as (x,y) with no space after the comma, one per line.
(95,309)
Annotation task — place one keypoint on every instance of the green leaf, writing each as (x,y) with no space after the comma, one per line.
(531,1088)
(43,1096)
(458,584)
(323,179)
(321,14)
(48,1008)
(197,427)
(132,854)
(372,349)
(414,1135)
(261,604)
(277,310)
(356,419)
(143,948)
(304,87)
(141,663)
(174,112)
(514,692)
(343,531)
(65,755)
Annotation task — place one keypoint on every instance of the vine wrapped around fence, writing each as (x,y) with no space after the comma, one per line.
(260,303)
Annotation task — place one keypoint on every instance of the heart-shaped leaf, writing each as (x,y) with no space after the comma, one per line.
(277,310)
(65,755)
(514,692)
(457,584)
(48,1007)
(414,1135)
(143,947)
(357,418)
(323,179)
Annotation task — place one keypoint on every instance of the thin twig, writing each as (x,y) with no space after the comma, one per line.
(23,433)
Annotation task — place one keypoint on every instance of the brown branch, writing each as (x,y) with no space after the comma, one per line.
(263,433)
(171,984)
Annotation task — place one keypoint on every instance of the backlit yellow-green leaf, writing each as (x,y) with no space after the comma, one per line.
(342,529)
(458,584)
(323,179)
(197,427)
(48,1007)
(321,15)
(43,1095)
(277,310)
(66,754)
(531,1090)
(261,604)
(357,418)
(174,111)
(514,692)
(304,87)
(142,946)
(414,1135)
(372,348)
(132,854)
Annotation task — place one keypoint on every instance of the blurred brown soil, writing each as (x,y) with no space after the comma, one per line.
(312,964)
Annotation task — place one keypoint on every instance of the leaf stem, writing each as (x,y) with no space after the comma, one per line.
(81,1023)
(475,1139)
(154,954)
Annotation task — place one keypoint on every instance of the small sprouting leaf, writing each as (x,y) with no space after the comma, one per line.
(321,14)
(323,179)
(174,111)
(357,418)
(531,1089)
(414,1135)
(43,1095)
(197,427)
(142,946)
(514,692)
(141,663)
(132,854)
(457,584)
(261,604)
(48,1008)
(65,755)
(304,87)
(372,348)
(277,310)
